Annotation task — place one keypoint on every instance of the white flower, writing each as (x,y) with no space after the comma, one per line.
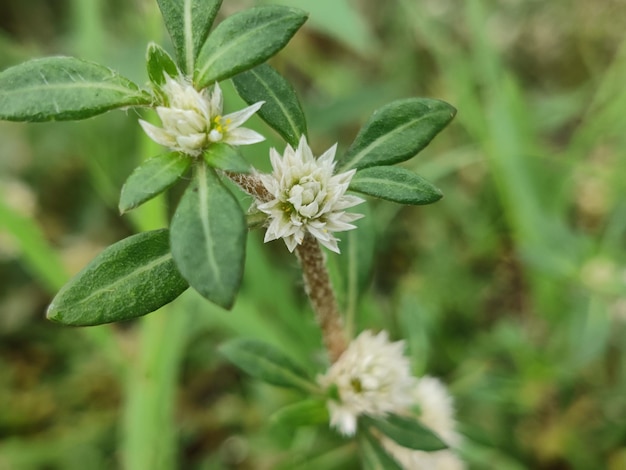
(437,413)
(307,197)
(192,120)
(372,377)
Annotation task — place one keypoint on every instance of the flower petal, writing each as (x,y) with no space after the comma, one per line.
(237,118)
(242,136)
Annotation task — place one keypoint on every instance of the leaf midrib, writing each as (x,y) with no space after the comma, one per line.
(224,50)
(109,287)
(292,123)
(203,208)
(73,85)
(381,140)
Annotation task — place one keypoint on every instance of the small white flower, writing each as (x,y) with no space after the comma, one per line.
(307,197)
(192,120)
(372,377)
(437,413)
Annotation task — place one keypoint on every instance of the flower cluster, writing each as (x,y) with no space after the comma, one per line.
(307,197)
(192,120)
(372,377)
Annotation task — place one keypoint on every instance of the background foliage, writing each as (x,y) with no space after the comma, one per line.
(512,288)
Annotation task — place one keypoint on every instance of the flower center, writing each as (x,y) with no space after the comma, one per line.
(218,129)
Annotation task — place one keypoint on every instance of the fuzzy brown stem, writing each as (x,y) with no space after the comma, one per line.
(316,279)
(320,291)
(252,185)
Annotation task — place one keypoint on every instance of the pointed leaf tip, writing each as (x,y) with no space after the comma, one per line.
(130,278)
(397,132)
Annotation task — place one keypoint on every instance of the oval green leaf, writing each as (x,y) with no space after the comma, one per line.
(226,157)
(397,132)
(395,184)
(64,88)
(281,110)
(304,413)
(151,178)
(188,22)
(244,40)
(407,432)
(159,63)
(130,278)
(208,238)
(264,362)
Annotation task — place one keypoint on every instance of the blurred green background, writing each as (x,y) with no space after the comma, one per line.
(512,289)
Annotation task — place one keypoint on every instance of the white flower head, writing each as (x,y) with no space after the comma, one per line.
(192,120)
(437,413)
(372,377)
(307,197)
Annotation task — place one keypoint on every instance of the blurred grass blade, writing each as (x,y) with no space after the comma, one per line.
(128,279)
(38,255)
(188,22)
(397,132)
(64,88)
(209,238)
(264,362)
(282,110)
(151,178)
(395,184)
(244,40)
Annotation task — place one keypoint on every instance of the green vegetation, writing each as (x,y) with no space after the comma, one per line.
(512,287)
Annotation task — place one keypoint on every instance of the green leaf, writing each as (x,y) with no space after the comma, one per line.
(188,22)
(303,413)
(395,184)
(244,40)
(264,362)
(128,279)
(397,132)
(227,158)
(407,432)
(208,237)
(374,455)
(64,88)
(151,178)
(281,110)
(159,63)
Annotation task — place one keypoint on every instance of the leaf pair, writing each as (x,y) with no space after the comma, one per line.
(204,248)
(393,134)
(66,88)
(238,43)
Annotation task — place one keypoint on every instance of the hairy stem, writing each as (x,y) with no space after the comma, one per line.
(316,279)
(320,291)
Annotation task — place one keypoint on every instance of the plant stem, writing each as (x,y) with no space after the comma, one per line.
(316,278)
(320,291)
